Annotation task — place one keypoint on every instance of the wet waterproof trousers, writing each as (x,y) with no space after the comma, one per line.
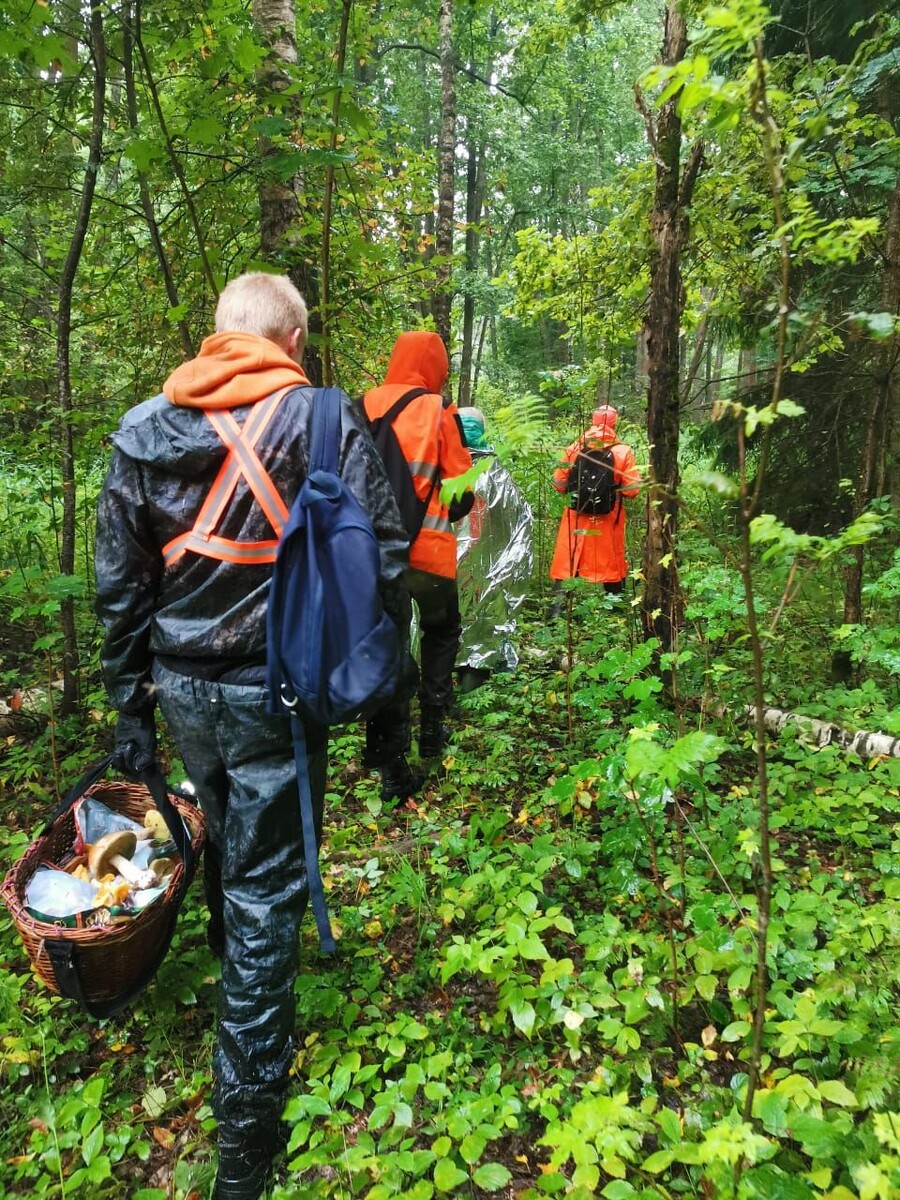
(437,599)
(241,762)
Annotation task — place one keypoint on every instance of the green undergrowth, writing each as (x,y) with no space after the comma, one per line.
(545,970)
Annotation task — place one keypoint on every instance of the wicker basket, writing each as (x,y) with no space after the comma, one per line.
(112,963)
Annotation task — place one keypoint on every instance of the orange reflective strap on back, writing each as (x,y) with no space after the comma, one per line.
(240,462)
(248,465)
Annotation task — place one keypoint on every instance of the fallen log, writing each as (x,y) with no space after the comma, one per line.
(824,733)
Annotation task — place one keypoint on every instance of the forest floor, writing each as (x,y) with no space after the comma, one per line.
(544,974)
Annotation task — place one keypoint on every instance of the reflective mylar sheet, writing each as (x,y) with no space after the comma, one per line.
(494,563)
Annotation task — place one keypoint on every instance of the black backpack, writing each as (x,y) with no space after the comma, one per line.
(592,482)
(412,509)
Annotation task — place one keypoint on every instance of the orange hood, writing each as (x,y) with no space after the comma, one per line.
(419,359)
(603,427)
(232,369)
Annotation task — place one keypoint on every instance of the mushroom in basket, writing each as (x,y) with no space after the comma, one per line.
(112,853)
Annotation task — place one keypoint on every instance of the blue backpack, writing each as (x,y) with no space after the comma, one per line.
(333,653)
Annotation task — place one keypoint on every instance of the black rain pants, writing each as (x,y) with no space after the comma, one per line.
(437,599)
(240,760)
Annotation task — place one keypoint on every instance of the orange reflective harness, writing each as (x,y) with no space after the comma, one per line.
(241,462)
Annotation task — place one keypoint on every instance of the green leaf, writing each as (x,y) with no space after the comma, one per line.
(447,1175)
(618,1189)
(93,1090)
(659,1161)
(837,1093)
(706,986)
(491,1176)
(472,1147)
(206,130)
(523,1015)
(143,153)
(735,1031)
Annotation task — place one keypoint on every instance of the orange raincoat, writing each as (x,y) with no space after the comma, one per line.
(589,547)
(431,439)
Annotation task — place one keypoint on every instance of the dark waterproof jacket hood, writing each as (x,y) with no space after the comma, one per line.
(201,614)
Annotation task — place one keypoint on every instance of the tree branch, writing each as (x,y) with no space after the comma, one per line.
(459,67)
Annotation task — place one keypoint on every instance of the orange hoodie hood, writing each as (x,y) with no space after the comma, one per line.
(603,427)
(419,359)
(233,369)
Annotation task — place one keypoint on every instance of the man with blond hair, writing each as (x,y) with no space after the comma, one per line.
(185,550)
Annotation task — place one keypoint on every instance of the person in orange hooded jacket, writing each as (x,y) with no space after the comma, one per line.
(593,547)
(431,438)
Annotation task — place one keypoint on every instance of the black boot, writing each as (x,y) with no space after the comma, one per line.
(433,733)
(243,1172)
(245,1162)
(398,781)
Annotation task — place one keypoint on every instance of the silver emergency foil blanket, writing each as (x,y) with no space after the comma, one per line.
(495,560)
(494,563)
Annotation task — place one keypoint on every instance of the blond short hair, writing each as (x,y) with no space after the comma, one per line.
(267,305)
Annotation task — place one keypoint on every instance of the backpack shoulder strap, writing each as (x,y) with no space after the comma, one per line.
(325,434)
(389,417)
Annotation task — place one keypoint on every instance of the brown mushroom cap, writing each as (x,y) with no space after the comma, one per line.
(162,868)
(121,841)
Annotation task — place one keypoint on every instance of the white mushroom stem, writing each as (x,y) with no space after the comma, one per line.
(135,876)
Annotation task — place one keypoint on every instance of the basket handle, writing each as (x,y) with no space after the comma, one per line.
(155,782)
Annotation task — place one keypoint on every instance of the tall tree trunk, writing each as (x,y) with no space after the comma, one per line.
(661,612)
(327,355)
(442,299)
(131,22)
(97,47)
(474,197)
(883,411)
(280,204)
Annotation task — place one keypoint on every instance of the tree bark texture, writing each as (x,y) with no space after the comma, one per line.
(131,34)
(474,198)
(865,743)
(327,349)
(97,46)
(442,299)
(883,417)
(280,203)
(662,606)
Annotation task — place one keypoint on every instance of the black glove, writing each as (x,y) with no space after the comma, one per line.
(135,749)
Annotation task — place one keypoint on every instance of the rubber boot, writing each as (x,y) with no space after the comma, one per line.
(245,1161)
(398,781)
(243,1172)
(432,732)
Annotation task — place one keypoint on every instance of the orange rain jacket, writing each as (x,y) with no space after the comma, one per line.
(431,438)
(589,547)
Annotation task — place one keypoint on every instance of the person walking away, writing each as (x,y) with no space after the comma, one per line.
(186,536)
(591,544)
(494,561)
(430,437)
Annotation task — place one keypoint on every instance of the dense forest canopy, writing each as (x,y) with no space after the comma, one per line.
(630,942)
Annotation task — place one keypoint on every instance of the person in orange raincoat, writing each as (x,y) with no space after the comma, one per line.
(431,439)
(593,547)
